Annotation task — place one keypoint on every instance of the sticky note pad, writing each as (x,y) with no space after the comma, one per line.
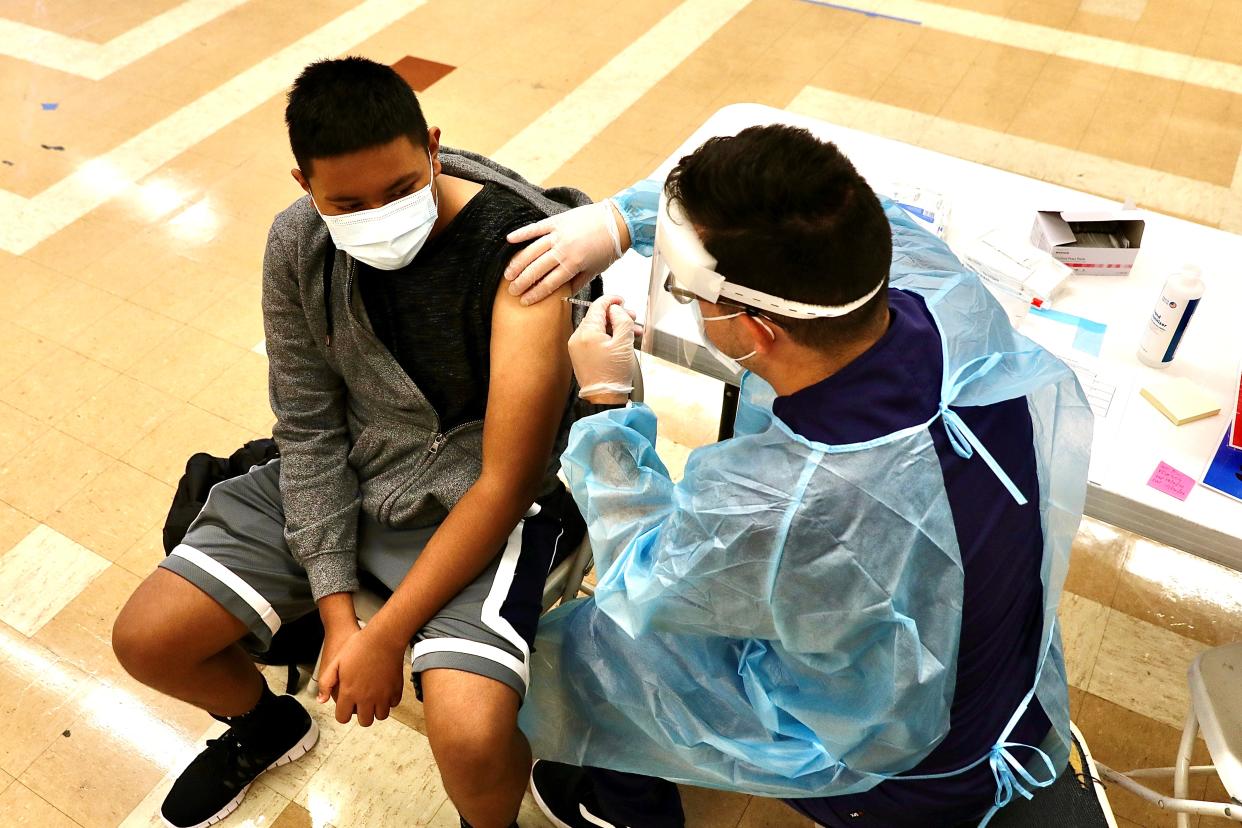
(1181,400)
(1170,481)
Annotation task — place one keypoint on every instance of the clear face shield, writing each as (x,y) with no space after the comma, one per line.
(674,329)
(682,272)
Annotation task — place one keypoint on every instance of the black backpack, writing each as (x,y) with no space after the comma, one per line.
(295,643)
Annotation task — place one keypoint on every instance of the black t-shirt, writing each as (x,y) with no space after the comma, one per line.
(435,314)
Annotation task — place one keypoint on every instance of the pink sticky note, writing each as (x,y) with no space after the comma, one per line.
(1172,482)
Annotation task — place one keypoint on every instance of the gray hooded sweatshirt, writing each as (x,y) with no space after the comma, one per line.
(353,429)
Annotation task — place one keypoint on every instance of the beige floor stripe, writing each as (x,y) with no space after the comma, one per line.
(98,60)
(1189,197)
(559,133)
(30,221)
(1090,48)
(1237,176)
(1123,9)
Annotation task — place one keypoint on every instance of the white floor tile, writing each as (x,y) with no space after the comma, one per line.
(1143,668)
(378,776)
(39,576)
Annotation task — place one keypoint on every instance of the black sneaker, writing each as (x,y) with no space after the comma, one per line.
(566,796)
(214,784)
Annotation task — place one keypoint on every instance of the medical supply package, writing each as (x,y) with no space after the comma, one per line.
(928,208)
(1012,266)
(1092,242)
(1224,471)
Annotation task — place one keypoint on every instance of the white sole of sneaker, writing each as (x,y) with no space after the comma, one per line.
(296,752)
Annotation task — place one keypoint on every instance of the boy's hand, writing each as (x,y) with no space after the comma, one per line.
(340,622)
(365,678)
(334,637)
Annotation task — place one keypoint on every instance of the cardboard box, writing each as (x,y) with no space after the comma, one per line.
(1053,232)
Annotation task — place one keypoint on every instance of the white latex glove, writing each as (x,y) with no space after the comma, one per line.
(602,349)
(570,247)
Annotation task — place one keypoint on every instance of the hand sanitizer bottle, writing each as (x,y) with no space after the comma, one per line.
(1179,299)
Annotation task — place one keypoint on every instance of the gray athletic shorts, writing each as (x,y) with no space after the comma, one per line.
(235,551)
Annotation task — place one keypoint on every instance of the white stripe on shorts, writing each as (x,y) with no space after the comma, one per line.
(233,581)
(496,596)
(594,820)
(474,648)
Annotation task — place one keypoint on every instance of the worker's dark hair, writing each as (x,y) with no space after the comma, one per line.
(787,214)
(349,104)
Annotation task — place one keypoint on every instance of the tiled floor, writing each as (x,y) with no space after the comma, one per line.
(144,154)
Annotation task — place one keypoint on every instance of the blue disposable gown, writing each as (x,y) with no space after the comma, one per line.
(785,619)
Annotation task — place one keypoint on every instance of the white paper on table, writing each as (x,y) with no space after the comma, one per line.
(1108,395)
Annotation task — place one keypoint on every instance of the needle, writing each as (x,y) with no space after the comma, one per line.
(638,329)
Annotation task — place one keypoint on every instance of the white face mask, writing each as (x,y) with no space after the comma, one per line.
(734,364)
(388,237)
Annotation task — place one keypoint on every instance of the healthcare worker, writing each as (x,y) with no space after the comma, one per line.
(851,604)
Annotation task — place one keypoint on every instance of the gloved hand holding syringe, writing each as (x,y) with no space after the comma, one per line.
(586,303)
(602,350)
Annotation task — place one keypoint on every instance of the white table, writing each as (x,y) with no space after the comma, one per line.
(1134,437)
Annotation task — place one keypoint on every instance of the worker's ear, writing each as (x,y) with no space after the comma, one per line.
(763,333)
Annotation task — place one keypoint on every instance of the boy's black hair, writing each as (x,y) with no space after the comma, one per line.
(787,214)
(349,104)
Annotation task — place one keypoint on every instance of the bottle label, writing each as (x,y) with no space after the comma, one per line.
(1191,306)
(1164,313)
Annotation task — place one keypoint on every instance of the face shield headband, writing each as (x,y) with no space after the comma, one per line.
(692,271)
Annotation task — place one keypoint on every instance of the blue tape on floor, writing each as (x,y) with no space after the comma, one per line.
(868,13)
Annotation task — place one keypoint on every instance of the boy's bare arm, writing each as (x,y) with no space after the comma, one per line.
(530,378)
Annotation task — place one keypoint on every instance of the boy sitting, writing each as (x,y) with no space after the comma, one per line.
(420,416)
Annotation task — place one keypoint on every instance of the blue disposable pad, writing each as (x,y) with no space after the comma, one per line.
(1089,337)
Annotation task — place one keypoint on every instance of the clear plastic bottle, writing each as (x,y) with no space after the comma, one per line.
(1179,299)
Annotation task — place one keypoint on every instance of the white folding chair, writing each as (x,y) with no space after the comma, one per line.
(565,580)
(1216,711)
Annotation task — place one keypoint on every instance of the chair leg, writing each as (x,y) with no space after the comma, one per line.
(581,562)
(1181,773)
